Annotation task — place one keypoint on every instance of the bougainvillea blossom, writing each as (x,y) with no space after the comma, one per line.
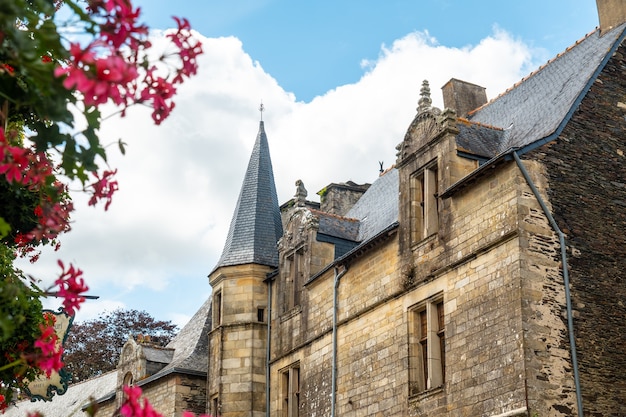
(71,286)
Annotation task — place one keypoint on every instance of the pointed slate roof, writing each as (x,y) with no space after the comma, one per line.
(256,225)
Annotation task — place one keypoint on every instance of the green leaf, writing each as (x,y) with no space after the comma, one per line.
(122,145)
(5,228)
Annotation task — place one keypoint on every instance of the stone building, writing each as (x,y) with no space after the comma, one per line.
(482,275)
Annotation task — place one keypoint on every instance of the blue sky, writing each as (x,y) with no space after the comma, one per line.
(312,47)
(340,81)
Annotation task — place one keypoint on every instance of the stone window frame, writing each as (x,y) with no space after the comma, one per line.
(217,309)
(290,390)
(215,405)
(294,269)
(427,364)
(424,204)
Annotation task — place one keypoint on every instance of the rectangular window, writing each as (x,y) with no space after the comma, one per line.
(424,203)
(260,314)
(290,391)
(294,280)
(427,345)
(217,309)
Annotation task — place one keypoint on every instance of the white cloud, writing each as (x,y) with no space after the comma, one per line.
(179,182)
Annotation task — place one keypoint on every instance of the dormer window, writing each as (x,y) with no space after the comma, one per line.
(294,266)
(424,203)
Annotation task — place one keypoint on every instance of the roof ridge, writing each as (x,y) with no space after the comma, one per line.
(471,122)
(337,216)
(536,71)
(392,167)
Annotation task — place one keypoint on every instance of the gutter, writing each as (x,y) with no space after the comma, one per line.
(333,390)
(568,300)
(268,344)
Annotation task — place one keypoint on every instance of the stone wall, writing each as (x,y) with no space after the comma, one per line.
(170,396)
(586,170)
(237,344)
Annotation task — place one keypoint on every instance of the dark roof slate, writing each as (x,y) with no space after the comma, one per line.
(378,207)
(337,226)
(158,354)
(256,224)
(190,345)
(535,107)
(478,139)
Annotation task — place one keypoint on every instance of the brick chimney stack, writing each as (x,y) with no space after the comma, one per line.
(462,96)
(612,13)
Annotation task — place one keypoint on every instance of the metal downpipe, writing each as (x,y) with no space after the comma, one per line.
(333,398)
(568,300)
(268,351)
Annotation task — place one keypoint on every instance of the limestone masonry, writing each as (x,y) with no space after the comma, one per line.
(481,275)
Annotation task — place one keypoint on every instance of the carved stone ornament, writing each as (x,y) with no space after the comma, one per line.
(424,127)
(296,231)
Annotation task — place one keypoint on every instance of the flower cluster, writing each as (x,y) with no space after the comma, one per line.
(33,170)
(103,188)
(23,165)
(115,65)
(48,358)
(71,286)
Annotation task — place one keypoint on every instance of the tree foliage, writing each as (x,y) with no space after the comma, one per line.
(94,347)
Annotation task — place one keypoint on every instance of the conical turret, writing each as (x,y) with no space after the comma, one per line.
(256,225)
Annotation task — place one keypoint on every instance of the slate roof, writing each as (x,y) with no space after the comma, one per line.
(530,111)
(337,226)
(187,351)
(478,139)
(538,105)
(191,343)
(256,225)
(378,207)
(158,354)
(70,403)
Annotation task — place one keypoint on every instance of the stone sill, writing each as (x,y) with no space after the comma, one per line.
(421,396)
(291,313)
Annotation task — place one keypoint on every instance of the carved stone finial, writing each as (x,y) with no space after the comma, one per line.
(301,194)
(424,102)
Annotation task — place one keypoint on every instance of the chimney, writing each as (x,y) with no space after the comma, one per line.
(462,96)
(612,13)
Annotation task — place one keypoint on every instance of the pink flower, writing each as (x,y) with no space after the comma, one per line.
(98,79)
(189,49)
(71,285)
(103,188)
(160,91)
(51,350)
(134,407)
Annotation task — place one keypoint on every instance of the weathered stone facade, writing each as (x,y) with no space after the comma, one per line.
(171,396)
(586,181)
(439,289)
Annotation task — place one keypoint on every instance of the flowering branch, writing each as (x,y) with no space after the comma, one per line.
(41,74)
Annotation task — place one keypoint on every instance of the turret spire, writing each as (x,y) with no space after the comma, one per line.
(256,224)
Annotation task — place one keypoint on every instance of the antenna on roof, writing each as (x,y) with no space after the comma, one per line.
(261,109)
(381,166)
